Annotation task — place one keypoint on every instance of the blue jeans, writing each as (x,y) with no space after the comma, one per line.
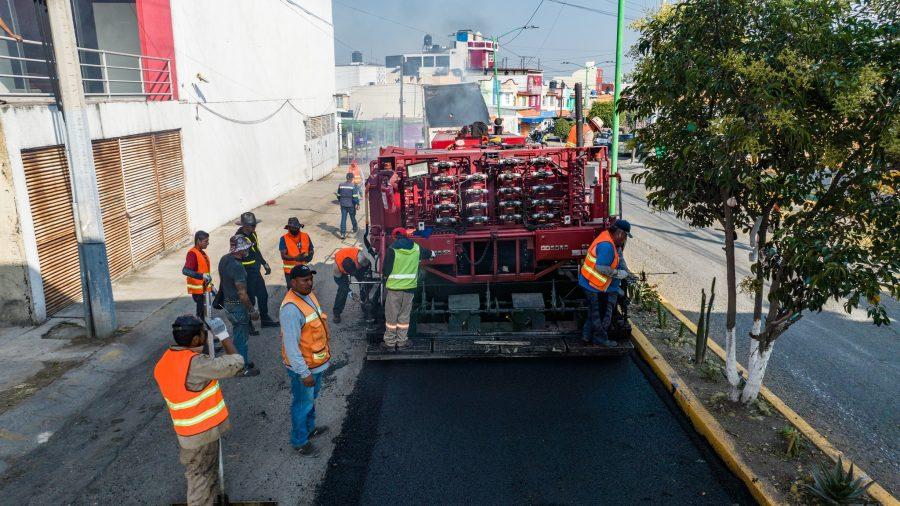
(599,315)
(345,211)
(303,408)
(240,322)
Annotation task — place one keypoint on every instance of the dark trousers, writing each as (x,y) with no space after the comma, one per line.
(200,301)
(348,211)
(601,306)
(256,289)
(343,289)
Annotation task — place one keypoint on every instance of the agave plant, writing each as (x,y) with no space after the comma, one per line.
(833,486)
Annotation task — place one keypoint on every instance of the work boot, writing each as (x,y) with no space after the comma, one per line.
(402,345)
(318,431)
(308,450)
(253,331)
(248,372)
(337,318)
(609,343)
(269,324)
(387,347)
(343,235)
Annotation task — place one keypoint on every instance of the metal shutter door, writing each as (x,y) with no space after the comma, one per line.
(108,166)
(49,195)
(141,197)
(170,171)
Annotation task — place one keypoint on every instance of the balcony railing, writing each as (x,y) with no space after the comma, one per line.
(104,73)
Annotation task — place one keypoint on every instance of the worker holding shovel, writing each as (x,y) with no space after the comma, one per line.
(188,380)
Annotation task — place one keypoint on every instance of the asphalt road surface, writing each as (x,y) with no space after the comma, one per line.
(836,370)
(519,432)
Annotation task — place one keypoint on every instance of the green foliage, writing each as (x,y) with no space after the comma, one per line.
(562,127)
(794,441)
(710,370)
(792,108)
(662,316)
(604,111)
(834,486)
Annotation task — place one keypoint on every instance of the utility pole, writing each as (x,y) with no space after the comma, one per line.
(614,166)
(402,71)
(496,78)
(579,116)
(99,307)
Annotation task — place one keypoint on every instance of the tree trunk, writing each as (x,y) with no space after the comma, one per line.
(756,366)
(731,372)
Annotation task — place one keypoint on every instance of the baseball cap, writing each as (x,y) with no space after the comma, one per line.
(301,271)
(293,222)
(187,322)
(624,226)
(399,231)
(239,243)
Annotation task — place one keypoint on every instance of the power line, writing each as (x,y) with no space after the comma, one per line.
(590,9)
(304,9)
(527,22)
(398,23)
(290,4)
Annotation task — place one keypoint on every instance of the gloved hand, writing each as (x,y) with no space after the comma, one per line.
(218,328)
(621,274)
(207,278)
(267,269)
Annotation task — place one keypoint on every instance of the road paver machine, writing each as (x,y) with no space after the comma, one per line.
(510,223)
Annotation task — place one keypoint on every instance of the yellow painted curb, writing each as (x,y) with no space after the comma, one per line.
(875,491)
(702,420)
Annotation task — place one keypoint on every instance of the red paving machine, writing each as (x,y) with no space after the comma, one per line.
(510,223)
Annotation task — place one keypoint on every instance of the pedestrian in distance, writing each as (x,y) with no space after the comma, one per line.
(306,352)
(599,277)
(196,270)
(349,261)
(348,198)
(236,299)
(255,283)
(401,270)
(189,383)
(296,248)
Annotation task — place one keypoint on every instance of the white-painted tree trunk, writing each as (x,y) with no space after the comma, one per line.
(731,371)
(756,366)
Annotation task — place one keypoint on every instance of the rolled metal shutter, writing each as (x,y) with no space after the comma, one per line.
(170,171)
(141,197)
(50,199)
(111,186)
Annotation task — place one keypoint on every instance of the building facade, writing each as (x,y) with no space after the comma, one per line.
(189,129)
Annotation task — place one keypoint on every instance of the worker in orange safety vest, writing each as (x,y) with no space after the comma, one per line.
(197,273)
(188,380)
(296,248)
(599,277)
(349,261)
(306,352)
(354,169)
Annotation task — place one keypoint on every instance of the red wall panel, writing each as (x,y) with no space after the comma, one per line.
(155,31)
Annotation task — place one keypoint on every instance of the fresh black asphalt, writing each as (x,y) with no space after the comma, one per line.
(520,432)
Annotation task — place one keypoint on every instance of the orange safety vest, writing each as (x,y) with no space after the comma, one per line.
(313,336)
(344,253)
(195,286)
(589,267)
(296,245)
(354,169)
(192,412)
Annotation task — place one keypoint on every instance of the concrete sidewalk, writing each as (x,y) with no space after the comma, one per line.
(50,373)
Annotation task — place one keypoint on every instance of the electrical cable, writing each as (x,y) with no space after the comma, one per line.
(398,23)
(526,23)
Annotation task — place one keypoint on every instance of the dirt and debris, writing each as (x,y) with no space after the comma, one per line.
(758,429)
(11,397)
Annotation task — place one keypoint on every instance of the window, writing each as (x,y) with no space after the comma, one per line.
(393,61)
(441,61)
(319,126)
(428,61)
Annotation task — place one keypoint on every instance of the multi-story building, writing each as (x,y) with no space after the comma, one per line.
(194,117)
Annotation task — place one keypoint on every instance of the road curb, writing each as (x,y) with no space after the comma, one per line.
(702,420)
(875,491)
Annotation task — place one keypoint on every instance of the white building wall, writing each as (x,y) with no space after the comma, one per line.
(233,164)
(348,76)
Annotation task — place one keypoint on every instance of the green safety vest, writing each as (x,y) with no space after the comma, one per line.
(405,273)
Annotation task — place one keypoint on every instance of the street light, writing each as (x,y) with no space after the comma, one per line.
(496,49)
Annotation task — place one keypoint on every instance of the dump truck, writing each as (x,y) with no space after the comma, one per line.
(510,223)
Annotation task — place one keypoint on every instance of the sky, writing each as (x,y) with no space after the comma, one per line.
(564,33)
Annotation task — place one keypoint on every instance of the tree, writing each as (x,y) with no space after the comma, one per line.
(561,128)
(602,110)
(784,129)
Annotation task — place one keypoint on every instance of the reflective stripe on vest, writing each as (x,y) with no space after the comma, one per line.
(589,271)
(344,253)
(195,286)
(405,272)
(192,412)
(313,338)
(249,259)
(294,245)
